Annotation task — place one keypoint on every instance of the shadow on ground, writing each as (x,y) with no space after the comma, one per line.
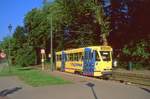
(91,85)
(6,92)
(145,89)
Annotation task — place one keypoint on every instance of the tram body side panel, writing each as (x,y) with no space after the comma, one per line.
(73,66)
(69,67)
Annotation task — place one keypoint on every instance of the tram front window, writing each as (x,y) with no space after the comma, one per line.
(105,55)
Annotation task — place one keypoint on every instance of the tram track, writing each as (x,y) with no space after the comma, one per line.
(134,78)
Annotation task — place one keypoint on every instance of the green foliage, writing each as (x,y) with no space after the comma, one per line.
(102,20)
(139,49)
(25,56)
(138,53)
(17,49)
(85,21)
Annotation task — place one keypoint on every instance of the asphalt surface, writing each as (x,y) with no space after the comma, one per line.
(88,88)
(81,88)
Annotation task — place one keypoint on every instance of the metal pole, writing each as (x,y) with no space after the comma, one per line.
(9,56)
(51,44)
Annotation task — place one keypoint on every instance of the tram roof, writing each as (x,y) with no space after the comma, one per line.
(77,50)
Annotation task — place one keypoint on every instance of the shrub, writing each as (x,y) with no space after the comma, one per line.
(25,57)
(138,53)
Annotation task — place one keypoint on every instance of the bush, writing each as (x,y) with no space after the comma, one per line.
(137,53)
(137,65)
(25,57)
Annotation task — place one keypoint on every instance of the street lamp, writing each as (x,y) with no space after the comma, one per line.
(9,60)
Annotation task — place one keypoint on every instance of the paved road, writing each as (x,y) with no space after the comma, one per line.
(80,89)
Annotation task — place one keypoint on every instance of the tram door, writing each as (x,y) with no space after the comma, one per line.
(89,61)
(63,60)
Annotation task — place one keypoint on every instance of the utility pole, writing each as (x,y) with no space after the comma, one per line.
(9,56)
(51,39)
(51,43)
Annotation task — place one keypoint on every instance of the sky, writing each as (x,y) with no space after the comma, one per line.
(13,12)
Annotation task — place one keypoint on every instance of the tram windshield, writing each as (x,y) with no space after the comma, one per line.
(105,55)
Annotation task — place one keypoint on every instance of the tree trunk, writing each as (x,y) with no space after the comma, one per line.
(104,38)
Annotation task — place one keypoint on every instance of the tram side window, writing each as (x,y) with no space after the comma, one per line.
(71,57)
(60,57)
(75,56)
(97,56)
(56,57)
(80,57)
(67,57)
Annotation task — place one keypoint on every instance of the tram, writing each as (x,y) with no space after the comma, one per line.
(90,61)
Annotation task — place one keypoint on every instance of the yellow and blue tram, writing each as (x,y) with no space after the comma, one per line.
(91,61)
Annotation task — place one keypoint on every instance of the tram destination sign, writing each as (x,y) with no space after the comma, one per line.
(105,48)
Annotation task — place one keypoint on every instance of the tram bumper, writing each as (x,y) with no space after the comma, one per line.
(107,73)
(102,74)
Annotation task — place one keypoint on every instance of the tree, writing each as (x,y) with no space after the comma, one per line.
(102,20)
(84,21)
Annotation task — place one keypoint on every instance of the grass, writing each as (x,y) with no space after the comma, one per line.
(33,77)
